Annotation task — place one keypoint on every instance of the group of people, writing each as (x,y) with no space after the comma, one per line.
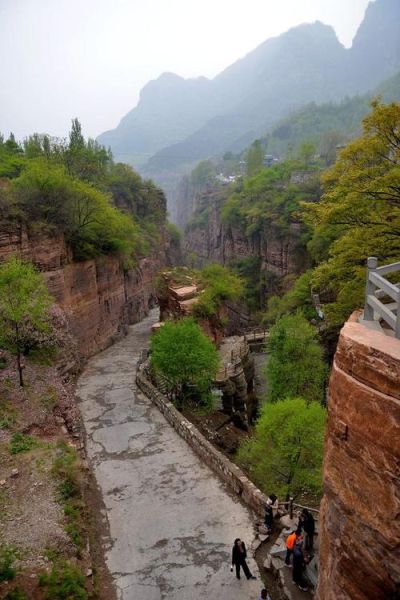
(299,546)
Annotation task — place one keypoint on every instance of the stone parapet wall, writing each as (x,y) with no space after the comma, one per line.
(222,466)
(360,526)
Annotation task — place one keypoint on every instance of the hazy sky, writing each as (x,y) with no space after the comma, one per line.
(89,58)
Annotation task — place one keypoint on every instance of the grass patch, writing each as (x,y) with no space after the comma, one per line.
(64,582)
(66,469)
(20,442)
(50,399)
(8,416)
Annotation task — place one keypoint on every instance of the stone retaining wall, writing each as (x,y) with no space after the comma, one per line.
(222,466)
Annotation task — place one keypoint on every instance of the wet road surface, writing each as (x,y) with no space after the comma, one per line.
(171,522)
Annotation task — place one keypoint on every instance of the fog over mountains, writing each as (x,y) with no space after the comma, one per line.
(178,122)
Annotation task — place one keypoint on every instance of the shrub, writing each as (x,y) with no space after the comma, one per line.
(66,468)
(284,455)
(20,442)
(7,559)
(295,365)
(64,582)
(220,286)
(15,594)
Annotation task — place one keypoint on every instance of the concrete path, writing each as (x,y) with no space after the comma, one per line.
(171,522)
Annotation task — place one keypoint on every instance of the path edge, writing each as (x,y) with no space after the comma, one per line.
(225,469)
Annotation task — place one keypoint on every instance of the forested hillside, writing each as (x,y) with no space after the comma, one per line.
(179,122)
(296,228)
(76,188)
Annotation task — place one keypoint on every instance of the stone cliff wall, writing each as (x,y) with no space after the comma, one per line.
(214,241)
(98,296)
(360,526)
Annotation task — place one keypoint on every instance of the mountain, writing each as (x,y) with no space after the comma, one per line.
(178,122)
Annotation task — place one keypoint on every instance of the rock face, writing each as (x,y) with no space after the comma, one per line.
(214,241)
(98,296)
(360,528)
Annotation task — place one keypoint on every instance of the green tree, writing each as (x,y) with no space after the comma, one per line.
(285,453)
(295,365)
(254,158)
(184,356)
(24,306)
(306,153)
(359,212)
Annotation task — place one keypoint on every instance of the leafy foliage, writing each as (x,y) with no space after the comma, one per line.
(24,305)
(7,559)
(184,356)
(295,366)
(284,455)
(220,285)
(297,298)
(359,213)
(21,442)
(64,582)
(74,187)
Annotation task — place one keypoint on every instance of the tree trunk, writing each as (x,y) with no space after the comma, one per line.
(21,379)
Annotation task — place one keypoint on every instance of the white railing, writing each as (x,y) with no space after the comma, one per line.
(379,288)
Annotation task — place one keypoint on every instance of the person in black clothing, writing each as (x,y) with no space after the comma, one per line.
(309,530)
(298,565)
(268,517)
(239,556)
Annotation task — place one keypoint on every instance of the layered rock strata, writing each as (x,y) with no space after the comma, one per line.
(98,296)
(360,526)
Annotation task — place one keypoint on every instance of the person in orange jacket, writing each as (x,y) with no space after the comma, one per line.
(290,542)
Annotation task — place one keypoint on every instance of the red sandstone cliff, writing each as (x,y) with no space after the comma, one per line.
(214,241)
(360,525)
(98,296)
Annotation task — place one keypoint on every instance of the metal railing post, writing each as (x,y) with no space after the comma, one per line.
(397,329)
(372,264)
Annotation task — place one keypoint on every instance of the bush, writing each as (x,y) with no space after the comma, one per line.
(220,286)
(92,226)
(64,582)
(66,468)
(15,594)
(285,454)
(7,559)
(295,366)
(184,356)
(21,442)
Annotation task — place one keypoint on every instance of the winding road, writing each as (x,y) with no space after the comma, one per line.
(171,522)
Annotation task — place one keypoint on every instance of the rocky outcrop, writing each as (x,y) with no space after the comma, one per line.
(360,527)
(99,297)
(279,255)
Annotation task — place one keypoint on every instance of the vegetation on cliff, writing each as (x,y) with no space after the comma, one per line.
(74,187)
(295,366)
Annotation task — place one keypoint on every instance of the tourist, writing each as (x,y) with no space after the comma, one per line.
(268,517)
(239,556)
(290,542)
(309,530)
(264,595)
(299,564)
